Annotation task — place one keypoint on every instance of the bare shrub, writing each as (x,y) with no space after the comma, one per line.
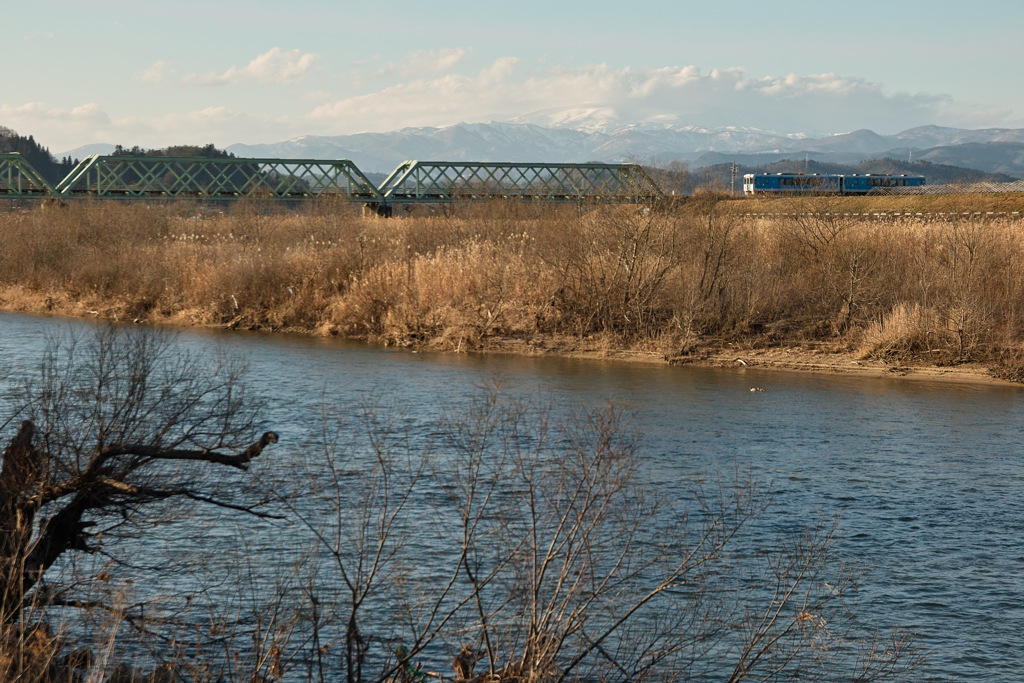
(705,295)
(1009,364)
(613,268)
(964,310)
(836,256)
(905,328)
(674,178)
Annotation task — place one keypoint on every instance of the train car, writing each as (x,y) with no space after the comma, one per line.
(827,183)
(791,183)
(864,183)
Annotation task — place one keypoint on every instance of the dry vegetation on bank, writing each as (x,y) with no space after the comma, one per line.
(677,281)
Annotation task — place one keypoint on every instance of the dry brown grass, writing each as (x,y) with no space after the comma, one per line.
(903,329)
(459,278)
(937,203)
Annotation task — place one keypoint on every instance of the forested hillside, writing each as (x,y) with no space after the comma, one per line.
(35,154)
(178,151)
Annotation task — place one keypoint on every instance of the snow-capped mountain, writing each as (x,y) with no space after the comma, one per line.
(525,142)
(462,142)
(1002,150)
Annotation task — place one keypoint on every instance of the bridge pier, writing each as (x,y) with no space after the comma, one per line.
(376,209)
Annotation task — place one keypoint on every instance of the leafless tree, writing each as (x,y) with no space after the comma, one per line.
(357,503)
(579,569)
(112,425)
(533,548)
(711,241)
(614,268)
(964,311)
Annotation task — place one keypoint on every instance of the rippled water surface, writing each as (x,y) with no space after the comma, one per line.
(928,478)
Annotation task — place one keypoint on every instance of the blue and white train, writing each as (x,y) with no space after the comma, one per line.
(825,183)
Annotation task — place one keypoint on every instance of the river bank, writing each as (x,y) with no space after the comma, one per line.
(823,359)
(817,284)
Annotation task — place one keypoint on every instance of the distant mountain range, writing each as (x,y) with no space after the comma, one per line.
(990,150)
(993,150)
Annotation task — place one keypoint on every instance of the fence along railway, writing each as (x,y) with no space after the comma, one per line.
(413,182)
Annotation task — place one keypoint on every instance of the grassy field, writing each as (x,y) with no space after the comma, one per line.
(932,288)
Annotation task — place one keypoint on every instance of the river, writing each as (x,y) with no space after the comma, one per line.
(927,478)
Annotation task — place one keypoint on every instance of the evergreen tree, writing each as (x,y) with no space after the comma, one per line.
(35,154)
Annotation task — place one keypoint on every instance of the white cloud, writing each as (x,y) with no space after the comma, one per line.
(65,129)
(55,127)
(276,66)
(1001,117)
(23,116)
(159,72)
(218,125)
(685,95)
(425,62)
(279,66)
(317,96)
(507,89)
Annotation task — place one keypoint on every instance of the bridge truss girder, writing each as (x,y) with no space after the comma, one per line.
(223,178)
(226,178)
(18,178)
(444,181)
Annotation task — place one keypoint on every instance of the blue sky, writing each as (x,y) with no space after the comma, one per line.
(192,72)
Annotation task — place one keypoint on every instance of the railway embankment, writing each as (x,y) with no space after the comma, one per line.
(934,290)
(985,203)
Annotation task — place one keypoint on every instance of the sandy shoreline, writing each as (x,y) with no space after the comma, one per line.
(848,364)
(788,359)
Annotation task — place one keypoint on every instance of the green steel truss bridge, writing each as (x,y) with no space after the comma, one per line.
(131,177)
(449,181)
(229,178)
(19,180)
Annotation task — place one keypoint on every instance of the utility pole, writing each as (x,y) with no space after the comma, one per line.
(732,173)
